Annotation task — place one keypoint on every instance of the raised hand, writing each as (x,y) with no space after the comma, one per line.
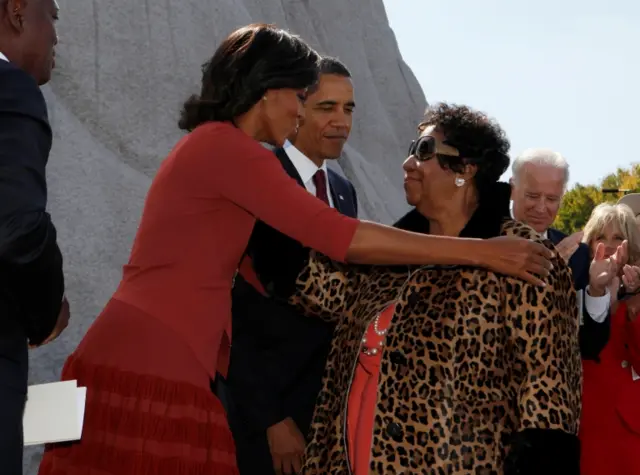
(569,245)
(631,278)
(603,270)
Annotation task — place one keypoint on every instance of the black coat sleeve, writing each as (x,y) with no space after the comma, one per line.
(30,260)
(546,452)
(355,199)
(255,373)
(593,336)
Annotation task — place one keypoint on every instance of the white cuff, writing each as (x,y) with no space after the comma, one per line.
(597,307)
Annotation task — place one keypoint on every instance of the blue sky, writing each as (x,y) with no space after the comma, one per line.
(561,74)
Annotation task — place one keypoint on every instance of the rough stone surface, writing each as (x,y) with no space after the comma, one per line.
(123,70)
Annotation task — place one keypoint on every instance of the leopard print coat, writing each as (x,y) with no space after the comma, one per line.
(471,358)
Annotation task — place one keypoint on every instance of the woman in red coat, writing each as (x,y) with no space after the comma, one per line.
(149,358)
(610,424)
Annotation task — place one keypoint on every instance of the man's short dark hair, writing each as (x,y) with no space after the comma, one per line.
(330,65)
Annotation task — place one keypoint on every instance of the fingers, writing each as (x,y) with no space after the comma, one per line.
(544,251)
(577,236)
(532,279)
(296,464)
(540,265)
(540,269)
(574,239)
(287,464)
(599,255)
(277,464)
(568,252)
(291,464)
(622,253)
(631,277)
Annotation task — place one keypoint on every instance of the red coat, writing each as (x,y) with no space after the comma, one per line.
(610,424)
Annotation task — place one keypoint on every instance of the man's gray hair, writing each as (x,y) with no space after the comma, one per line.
(540,156)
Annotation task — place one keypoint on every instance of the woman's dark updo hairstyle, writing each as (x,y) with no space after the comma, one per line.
(250,61)
(479,139)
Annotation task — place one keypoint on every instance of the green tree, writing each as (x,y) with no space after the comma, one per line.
(578,203)
(577,206)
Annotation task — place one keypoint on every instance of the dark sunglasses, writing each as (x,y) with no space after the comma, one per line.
(425,149)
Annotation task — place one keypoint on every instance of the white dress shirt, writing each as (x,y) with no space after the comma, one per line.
(597,307)
(3,57)
(306,169)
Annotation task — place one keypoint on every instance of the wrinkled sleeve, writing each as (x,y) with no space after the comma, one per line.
(325,288)
(543,332)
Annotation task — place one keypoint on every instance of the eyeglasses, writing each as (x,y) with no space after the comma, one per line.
(425,149)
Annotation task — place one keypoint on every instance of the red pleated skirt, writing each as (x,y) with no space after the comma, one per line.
(149,407)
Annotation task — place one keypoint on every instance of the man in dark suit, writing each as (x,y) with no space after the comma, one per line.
(277,355)
(33,310)
(538,183)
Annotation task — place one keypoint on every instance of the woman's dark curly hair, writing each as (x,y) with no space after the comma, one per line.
(252,60)
(479,139)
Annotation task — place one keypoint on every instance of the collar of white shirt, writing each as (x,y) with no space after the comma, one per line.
(544,234)
(304,166)
(3,57)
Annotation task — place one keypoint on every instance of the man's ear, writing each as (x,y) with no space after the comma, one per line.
(14,10)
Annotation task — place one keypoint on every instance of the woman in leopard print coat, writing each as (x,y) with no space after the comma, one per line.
(440,369)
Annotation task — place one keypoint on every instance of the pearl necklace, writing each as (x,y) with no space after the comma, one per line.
(374,351)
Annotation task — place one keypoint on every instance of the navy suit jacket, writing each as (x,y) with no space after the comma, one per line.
(277,355)
(31,280)
(593,335)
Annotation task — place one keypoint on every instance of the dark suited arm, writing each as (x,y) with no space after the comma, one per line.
(255,386)
(355,199)
(543,329)
(30,260)
(594,336)
(323,288)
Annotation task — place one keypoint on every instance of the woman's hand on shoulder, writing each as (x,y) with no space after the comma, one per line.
(517,257)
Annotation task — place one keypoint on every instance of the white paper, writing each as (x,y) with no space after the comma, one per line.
(54,412)
(81,395)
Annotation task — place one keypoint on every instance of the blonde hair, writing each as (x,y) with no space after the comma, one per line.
(620,215)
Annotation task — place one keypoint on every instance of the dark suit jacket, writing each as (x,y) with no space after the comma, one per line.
(31,280)
(277,355)
(593,335)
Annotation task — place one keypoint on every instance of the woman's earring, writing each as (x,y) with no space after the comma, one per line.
(460,181)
